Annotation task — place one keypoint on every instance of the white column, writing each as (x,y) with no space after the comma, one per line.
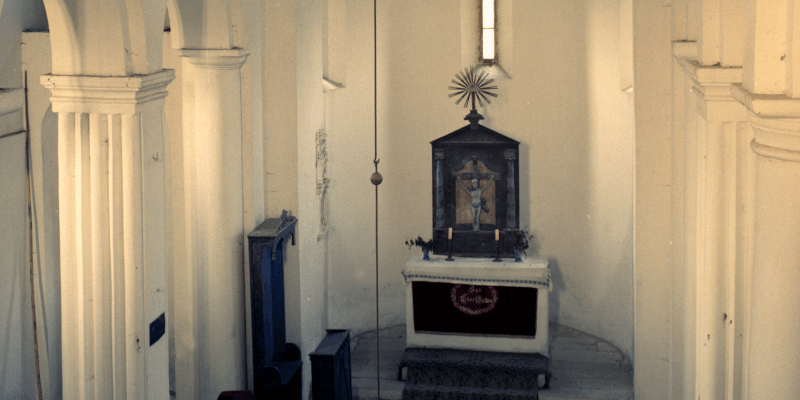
(111,217)
(217,320)
(710,198)
(773,362)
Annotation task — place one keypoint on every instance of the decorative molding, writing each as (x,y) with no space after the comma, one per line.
(777,138)
(106,94)
(323,182)
(684,49)
(712,85)
(215,58)
(774,152)
(775,120)
(508,282)
(711,74)
(767,105)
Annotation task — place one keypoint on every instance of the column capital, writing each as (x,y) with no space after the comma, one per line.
(767,105)
(711,84)
(106,94)
(776,123)
(215,58)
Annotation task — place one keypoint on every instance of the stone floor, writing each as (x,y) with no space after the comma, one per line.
(583,366)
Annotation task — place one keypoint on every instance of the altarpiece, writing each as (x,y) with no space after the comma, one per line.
(475,191)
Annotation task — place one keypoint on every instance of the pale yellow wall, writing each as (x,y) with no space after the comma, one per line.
(16,332)
(310,118)
(16,17)
(280,136)
(351,256)
(652,85)
(606,277)
(563,103)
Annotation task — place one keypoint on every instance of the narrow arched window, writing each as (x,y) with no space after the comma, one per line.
(488,53)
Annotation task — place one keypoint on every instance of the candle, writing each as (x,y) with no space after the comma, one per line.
(449,233)
(497,234)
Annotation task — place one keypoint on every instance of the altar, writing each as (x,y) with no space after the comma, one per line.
(476,304)
(472,296)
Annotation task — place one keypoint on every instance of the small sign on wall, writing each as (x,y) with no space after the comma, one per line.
(157,328)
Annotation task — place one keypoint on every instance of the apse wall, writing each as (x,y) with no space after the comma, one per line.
(563,101)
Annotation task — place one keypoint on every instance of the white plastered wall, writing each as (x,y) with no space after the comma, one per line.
(652,69)
(563,103)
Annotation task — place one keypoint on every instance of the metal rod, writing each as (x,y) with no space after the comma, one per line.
(375,160)
(377,303)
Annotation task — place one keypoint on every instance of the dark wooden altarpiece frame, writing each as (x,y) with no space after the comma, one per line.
(475,151)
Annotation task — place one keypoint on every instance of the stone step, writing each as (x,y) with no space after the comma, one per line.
(586,394)
(366,389)
(451,376)
(440,392)
(590,370)
(520,363)
(581,366)
(586,356)
(575,380)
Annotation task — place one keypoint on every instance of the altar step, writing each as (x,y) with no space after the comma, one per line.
(466,374)
(584,367)
(439,392)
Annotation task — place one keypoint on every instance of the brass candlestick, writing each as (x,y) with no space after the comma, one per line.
(497,251)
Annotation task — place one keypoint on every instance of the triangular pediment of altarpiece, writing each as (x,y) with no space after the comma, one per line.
(481,135)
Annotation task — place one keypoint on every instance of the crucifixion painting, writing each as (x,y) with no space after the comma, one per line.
(475,201)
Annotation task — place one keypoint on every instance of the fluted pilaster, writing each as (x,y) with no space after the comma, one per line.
(111,219)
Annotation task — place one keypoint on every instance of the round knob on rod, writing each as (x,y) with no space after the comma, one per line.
(376,178)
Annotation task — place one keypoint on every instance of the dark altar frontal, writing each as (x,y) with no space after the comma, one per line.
(474,309)
(474,303)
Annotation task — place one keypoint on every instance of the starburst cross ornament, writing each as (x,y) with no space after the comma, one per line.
(471,85)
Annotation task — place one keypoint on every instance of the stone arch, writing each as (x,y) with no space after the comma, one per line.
(63,35)
(206,24)
(102,38)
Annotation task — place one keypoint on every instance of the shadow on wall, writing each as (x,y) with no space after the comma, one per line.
(556,277)
(533,244)
(559,288)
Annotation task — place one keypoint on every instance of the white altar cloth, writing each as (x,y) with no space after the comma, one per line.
(531,272)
